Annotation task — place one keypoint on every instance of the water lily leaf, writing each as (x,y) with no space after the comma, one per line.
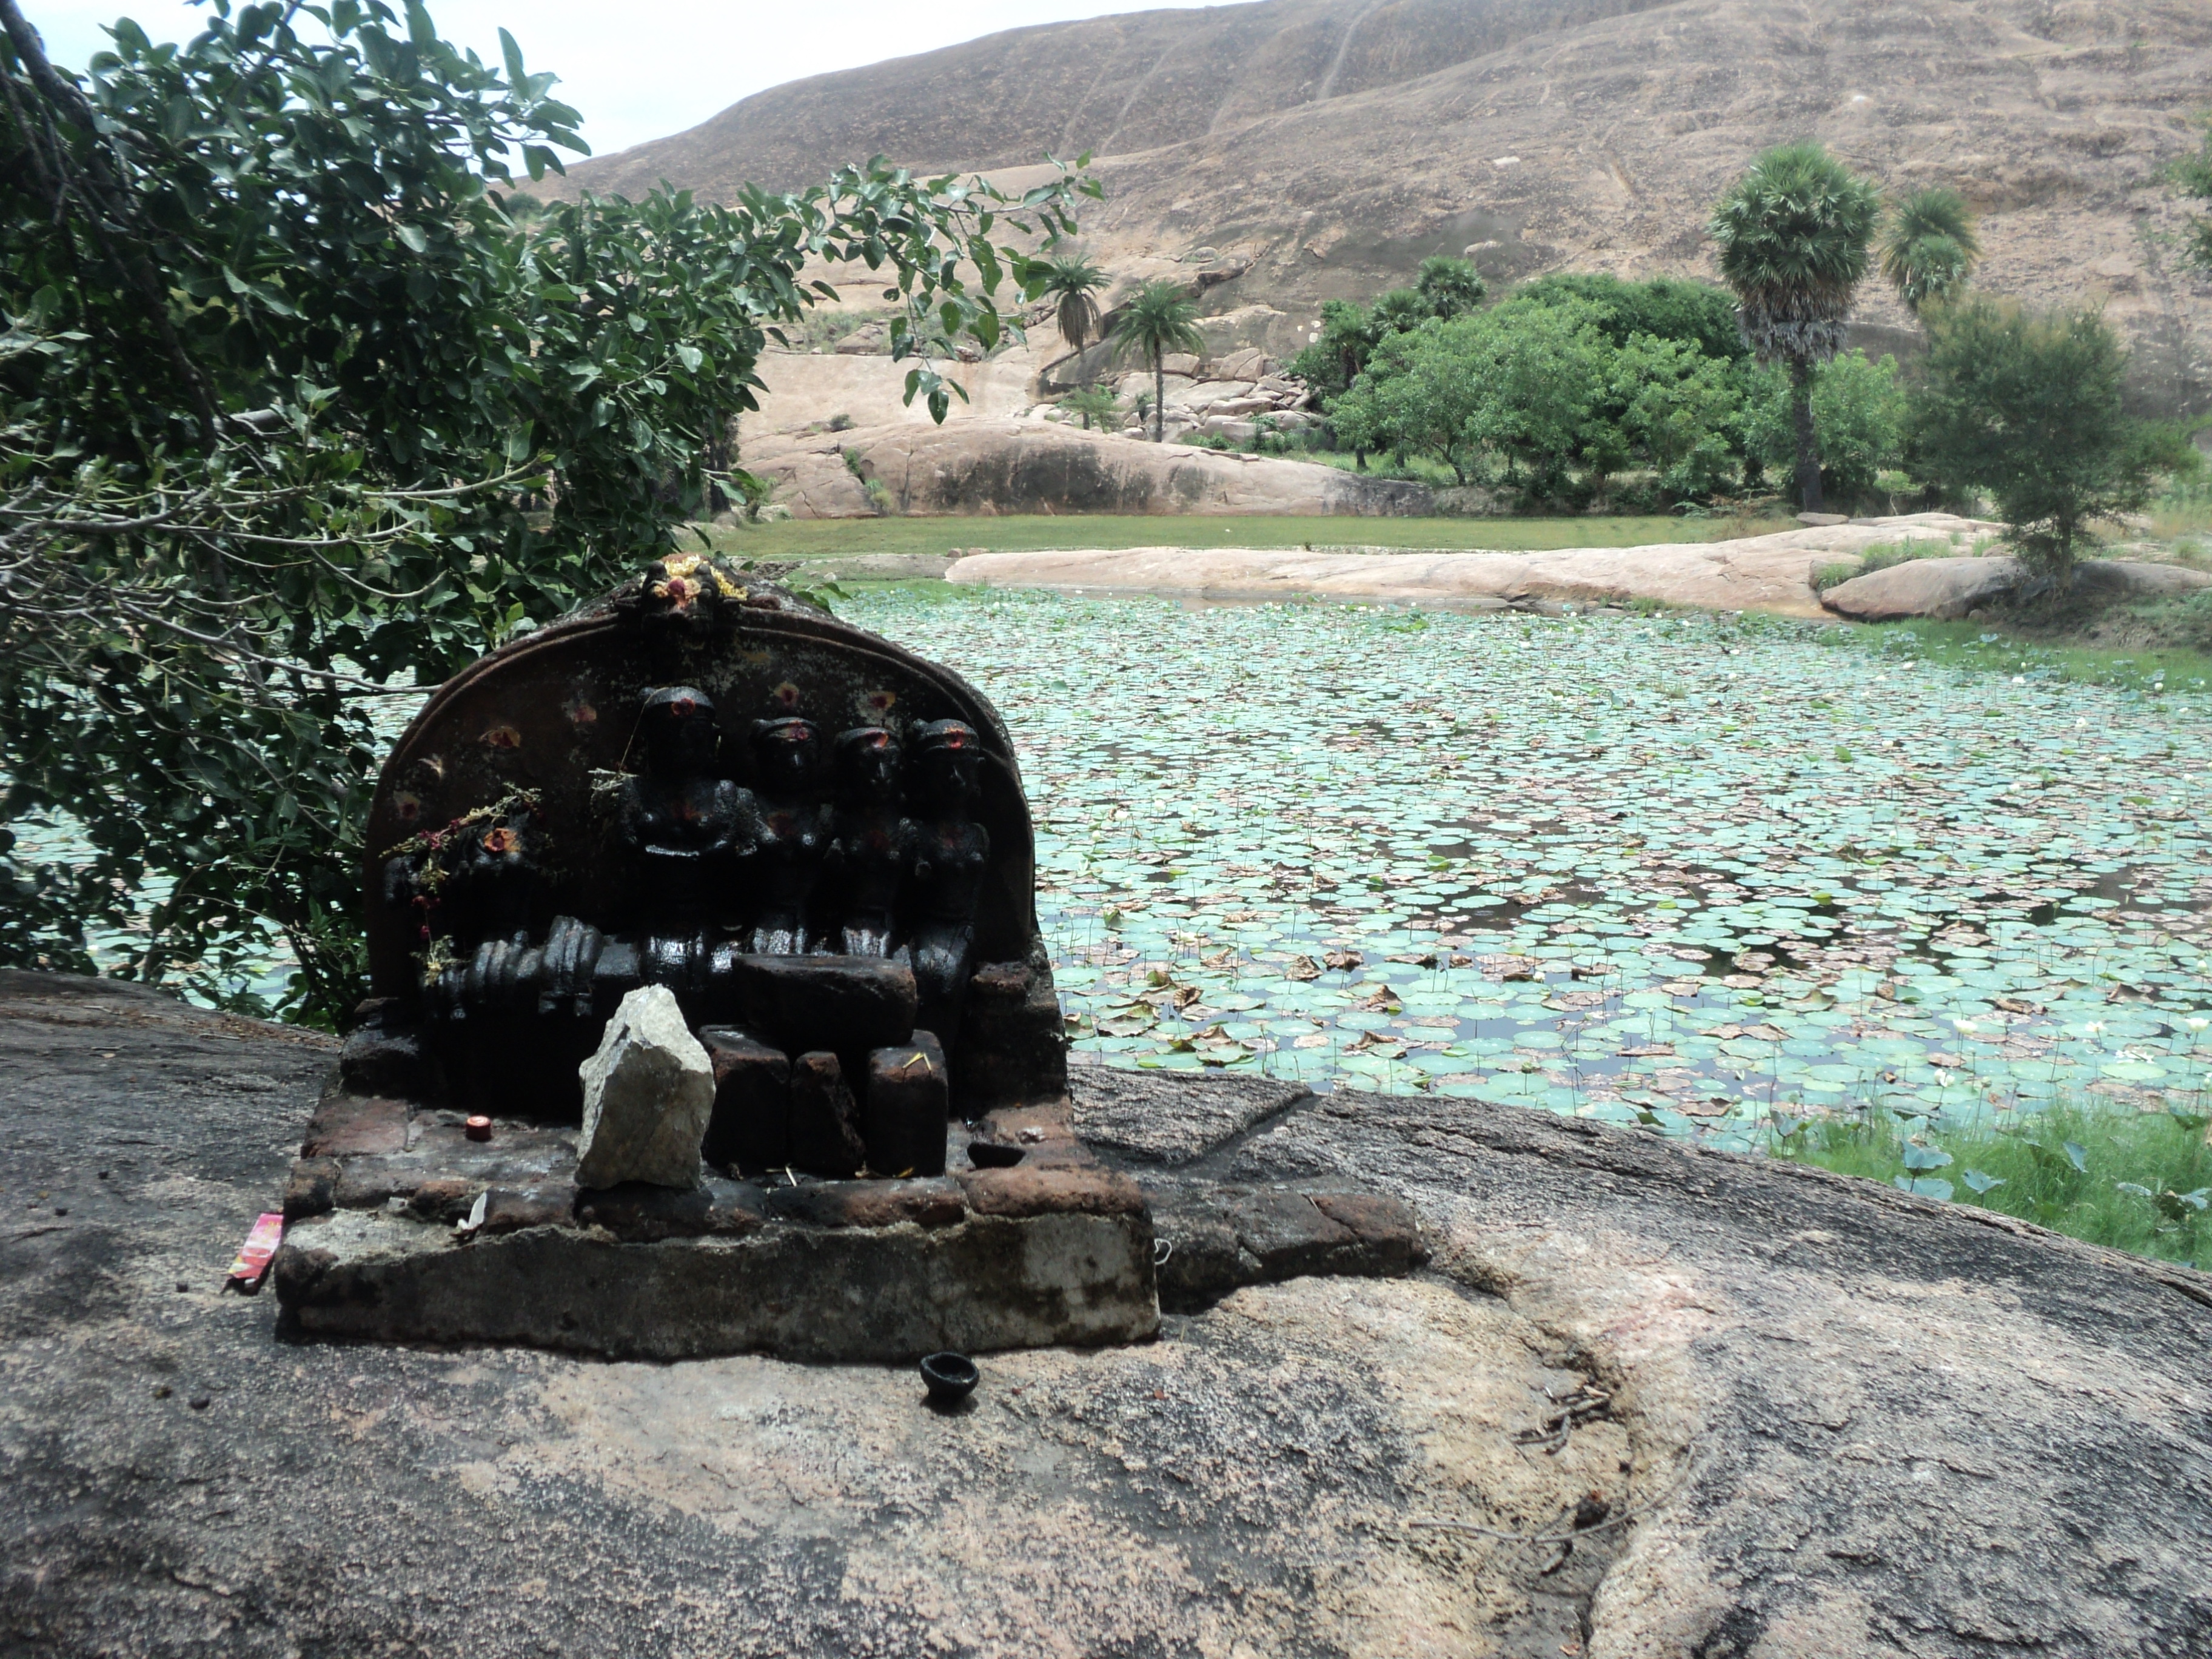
(1924,1186)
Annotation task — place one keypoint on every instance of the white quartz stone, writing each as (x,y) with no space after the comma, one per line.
(647,1095)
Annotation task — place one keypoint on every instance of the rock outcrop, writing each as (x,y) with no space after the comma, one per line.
(648,1093)
(1947,589)
(987,466)
(1825,1418)
(1755,573)
(1301,150)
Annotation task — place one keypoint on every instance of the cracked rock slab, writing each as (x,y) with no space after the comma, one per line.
(1170,1119)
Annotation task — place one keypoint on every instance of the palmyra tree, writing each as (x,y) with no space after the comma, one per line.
(1158,319)
(1070,284)
(1931,248)
(1793,234)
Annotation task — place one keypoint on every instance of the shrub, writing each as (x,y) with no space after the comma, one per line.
(2029,408)
(1095,405)
(1695,314)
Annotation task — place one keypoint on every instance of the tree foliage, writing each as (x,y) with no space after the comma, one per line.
(1859,407)
(293,409)
(1696,314)
(1444,289)
(1533,395)
(2030,408)
(1072,283)
(1793,235)
(1159,320)
(2192,175)
(1930,248)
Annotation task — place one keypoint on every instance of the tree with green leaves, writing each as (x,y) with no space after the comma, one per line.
(1696,314)
(1445,288)
(1449,288)
(1330,364)
(1793,234)
(296,415)
(1159,320)
(1093,405)
(1504,396)
(1929,249)
(2030,408)
(2192,176)
(1859,405)
(1071,283)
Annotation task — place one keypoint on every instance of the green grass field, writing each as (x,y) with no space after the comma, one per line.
(826,539)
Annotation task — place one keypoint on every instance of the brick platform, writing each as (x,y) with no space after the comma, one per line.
(401,1229)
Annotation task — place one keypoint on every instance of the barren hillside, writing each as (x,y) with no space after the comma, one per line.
(1333,143)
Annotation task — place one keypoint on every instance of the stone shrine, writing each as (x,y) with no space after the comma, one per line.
(812,848)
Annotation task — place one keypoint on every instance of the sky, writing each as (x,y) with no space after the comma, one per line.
(669,64)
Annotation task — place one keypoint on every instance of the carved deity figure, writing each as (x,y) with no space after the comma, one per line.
(793,836)
(870,844)
(686,826)
(951,850)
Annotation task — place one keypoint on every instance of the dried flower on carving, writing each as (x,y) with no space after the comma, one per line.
(879,703)
(502,737)
(786,696)
(688,577)
(501,840)
(405,807)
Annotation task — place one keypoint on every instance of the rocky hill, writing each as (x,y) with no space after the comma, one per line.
(1304,150)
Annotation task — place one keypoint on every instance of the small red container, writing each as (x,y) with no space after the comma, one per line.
(479,1129)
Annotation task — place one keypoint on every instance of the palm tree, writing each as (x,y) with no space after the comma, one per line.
(1793,234)
(1931,248)
(1158,318)
(1451,287)
(1070,283)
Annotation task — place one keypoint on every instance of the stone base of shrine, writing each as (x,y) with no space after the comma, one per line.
(982,1283)
(401,1230)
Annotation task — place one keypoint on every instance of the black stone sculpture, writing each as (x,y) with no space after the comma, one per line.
(872,844)
(793,837)
(637,796)
(951,851)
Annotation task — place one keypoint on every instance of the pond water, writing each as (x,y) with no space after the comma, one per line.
(1684,869)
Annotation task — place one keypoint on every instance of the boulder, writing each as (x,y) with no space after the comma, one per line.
(1024,466)
(1208,394)
(1234,430)
(1249,364)
(649,1095)
(1180,362)
(2134,579)
(1941,588)
(1947,589)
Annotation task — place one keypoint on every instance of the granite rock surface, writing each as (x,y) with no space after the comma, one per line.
(1854,1422)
